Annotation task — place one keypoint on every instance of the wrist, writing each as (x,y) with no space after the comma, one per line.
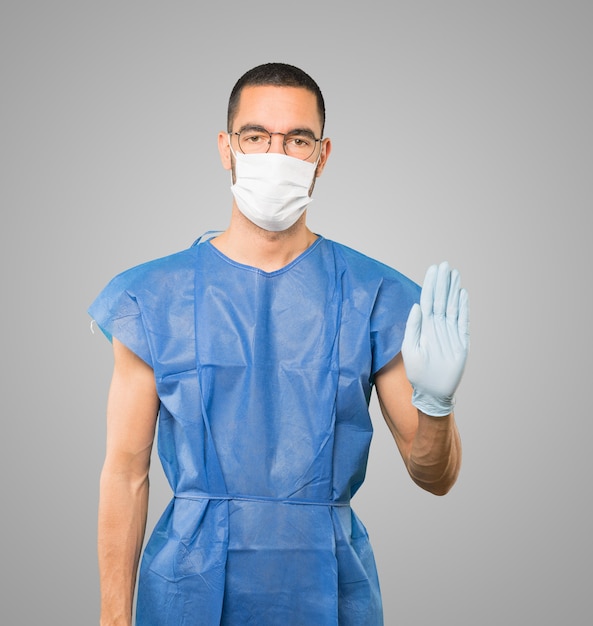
(432,405)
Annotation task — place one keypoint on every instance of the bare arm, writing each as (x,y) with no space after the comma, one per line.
(430,446)
(131,418)
(417,397)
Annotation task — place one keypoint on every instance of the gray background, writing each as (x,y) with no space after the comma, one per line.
(475,121)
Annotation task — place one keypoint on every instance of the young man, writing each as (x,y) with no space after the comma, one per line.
(258,349)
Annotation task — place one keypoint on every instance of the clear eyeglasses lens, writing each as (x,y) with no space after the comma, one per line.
(299,144)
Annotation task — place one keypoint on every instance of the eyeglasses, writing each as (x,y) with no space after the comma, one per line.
(297,143)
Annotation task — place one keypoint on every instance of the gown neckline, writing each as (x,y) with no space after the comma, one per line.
(257,270)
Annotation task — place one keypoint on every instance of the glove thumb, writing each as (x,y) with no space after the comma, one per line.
(412,331)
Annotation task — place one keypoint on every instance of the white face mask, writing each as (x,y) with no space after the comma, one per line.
(272,189)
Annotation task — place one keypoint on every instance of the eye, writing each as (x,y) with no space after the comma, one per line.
(254,137)
(299,140)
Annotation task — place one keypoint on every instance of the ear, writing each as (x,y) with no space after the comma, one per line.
(224,150)
(326,148)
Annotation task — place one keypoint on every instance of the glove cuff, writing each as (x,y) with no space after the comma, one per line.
(429,405)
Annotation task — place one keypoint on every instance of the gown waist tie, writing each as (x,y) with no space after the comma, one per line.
(198,495)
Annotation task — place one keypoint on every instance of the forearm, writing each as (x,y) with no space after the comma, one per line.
(122,521)
(435,454)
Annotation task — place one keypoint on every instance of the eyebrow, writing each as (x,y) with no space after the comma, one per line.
(294,131)
(250,127)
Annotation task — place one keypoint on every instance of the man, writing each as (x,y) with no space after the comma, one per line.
(258,349)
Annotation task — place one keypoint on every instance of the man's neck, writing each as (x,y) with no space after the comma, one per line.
(246,243)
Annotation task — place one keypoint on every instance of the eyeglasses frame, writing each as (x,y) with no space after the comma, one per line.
(316,139)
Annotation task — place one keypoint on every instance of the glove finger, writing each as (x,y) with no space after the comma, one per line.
(441,290)
(463,319)
(453,297)
(427,293)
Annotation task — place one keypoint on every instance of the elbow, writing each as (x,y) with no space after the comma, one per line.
(130,473)
(441,488)
(436,483)
(438,478)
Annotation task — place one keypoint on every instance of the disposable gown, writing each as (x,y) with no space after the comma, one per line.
(264,381)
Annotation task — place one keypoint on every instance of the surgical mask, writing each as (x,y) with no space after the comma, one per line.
(272,189)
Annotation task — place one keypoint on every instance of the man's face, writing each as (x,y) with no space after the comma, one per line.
(278,110)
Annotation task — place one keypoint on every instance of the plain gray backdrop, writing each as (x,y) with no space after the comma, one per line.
(461,130)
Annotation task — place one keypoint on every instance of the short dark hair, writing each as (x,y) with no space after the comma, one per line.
(280,75)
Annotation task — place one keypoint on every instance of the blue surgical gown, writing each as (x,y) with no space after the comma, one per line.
(264,380)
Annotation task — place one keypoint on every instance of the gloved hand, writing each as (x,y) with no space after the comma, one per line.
(436,341)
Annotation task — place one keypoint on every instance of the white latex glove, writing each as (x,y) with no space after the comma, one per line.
(436,341)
